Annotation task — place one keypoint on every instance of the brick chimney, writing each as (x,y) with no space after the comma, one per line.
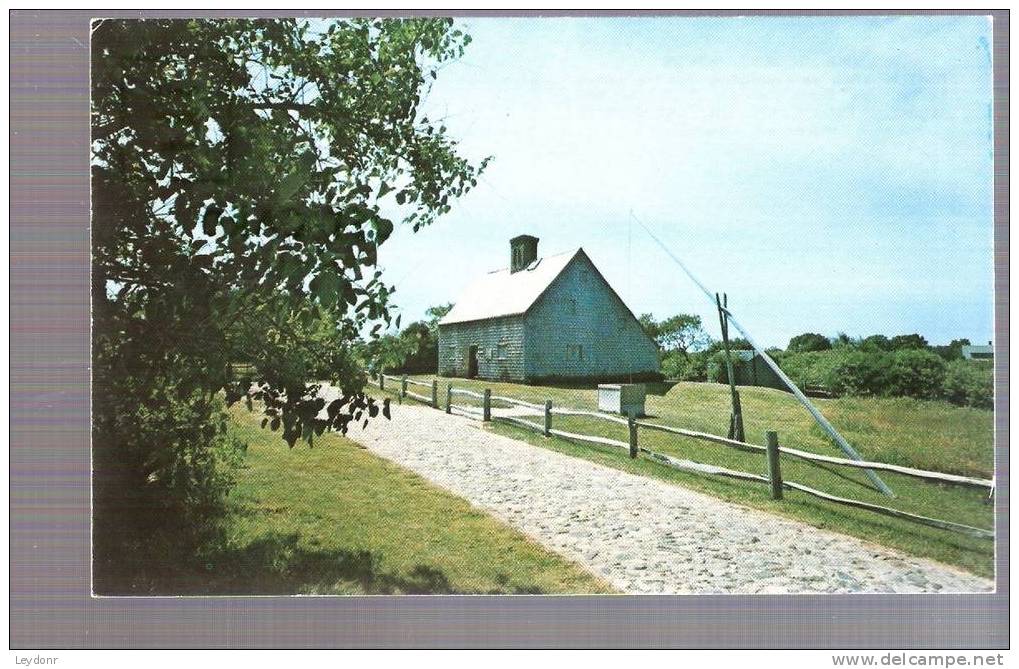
(523,251)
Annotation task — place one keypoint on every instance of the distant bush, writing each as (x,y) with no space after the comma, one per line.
(814,368)
(970,383)
(807,342)
(718,371)
(691,367)
(904,373)
(859,373)
(915,373)
(908,341)
(867,370)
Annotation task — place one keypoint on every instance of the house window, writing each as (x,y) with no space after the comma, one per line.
(571,306)
(575,352)
(501,350)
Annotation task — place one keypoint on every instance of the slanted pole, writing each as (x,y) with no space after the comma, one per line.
(839,440)
(808,405)
(774,469)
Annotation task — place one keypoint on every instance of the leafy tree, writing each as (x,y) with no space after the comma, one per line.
(423,348)
(691,367)
(808,341)
(916,373)
(415,350)
(970,383)
(436,314)
(244,174)
(844,341)
(681,333)
(876,343)
(905,342)
(735,344)
(650,326)
(953,351)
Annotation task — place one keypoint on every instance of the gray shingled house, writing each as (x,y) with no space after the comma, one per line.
(544,319)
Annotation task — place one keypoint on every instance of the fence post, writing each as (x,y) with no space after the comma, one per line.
(548,418)
(403,387)
(435,393)
(632,424)
(774,469)
(382,381)
(487,415)
(449,398)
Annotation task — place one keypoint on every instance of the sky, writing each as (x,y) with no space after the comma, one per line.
(830,174)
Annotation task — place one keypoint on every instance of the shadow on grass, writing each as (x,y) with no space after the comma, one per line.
(276,564)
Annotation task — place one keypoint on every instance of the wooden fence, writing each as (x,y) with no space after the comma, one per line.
(771,449)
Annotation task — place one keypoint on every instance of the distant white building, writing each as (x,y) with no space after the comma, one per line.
(544,319)
(978,351)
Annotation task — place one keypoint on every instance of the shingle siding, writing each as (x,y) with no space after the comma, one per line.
(500,343)
(578,328)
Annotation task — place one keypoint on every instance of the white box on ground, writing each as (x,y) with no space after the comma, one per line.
(626,399)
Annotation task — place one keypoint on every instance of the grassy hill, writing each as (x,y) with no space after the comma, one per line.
(928,435)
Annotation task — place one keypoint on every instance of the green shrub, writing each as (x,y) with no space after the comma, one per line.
(970,383)
(814,368)
(162,469)
(717,370)
(691,367)
(915,373)
(859,373)
(807,342)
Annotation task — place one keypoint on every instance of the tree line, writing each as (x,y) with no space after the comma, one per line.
(904,365)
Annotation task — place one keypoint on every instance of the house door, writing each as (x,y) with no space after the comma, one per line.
(472,362)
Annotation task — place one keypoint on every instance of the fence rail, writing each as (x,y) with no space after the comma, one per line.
(511,400)
(815,457)
(774,450)
(469,393)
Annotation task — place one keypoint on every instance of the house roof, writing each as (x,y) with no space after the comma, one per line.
(502,293)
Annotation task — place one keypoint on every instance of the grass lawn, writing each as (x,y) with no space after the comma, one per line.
(928,435)
(335,519)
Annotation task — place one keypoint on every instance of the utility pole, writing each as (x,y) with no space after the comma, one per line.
(839,440)
(736,418)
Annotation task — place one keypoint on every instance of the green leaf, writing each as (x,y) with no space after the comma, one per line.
(383,229)
(325,286)
(210,220)
(293,182)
